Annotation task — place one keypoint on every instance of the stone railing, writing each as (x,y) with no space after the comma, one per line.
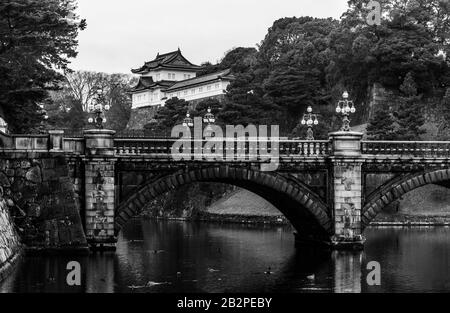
(31,142)
(252,149)
(74,145)
(59,141)
(407,148)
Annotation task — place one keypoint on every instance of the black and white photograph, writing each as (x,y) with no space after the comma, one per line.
(222,154)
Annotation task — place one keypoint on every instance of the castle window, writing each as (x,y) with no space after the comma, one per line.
(208,88)
(217,86)
(200,89)
(193,91)
(185,92)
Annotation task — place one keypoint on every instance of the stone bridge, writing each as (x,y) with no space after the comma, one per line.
(329,190)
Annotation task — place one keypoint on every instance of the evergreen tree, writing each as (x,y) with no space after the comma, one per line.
(410,117)
(444,131)
(381,126)
(245,103)
(202,108)
(173,113)
(36,38)
(119,100)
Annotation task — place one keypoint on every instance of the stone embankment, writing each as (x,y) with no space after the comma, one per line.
(10,247)
(42,201)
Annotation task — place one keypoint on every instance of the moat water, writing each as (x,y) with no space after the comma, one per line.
(165,256)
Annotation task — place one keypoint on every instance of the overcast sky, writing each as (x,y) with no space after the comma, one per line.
(123,34)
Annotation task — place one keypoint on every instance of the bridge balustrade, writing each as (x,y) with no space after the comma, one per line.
(252,149)
(407,148)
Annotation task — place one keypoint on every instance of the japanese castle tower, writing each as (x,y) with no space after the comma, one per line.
(171,75)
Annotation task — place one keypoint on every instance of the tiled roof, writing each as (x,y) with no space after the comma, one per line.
(172,59)
(226,74)
(146,82)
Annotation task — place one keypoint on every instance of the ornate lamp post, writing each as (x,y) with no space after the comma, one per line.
(43,112)
(345,107)
(209,119)
(188,122)
(310,119)
(99,110)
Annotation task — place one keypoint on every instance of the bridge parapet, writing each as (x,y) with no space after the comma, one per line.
(227,150)
(439,149)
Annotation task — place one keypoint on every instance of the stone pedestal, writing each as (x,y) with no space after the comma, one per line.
(346,144)
(99,189)
(99,142)
(56,140)
(347,187)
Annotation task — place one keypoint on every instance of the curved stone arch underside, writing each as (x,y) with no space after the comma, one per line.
(394,189)
(302,207)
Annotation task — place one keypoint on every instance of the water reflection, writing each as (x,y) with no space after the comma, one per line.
(347,271)
(200,257)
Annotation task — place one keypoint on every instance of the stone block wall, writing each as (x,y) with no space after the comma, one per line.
(43,202)
(347,199)
(76,173)
(10,246)
(100,201)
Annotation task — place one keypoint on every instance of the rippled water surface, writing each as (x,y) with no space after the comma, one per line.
(157,256)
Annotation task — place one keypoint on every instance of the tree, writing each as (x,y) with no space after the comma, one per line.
(239,59)
(83,85)
(202,108)
(75,99)
(410,117)
(293,90)
(36,37)
(208,68)
(119,100)
(173,113)
(381,126)
(245,103)
(65,113)
(410,38)
(444,129)
(293,60)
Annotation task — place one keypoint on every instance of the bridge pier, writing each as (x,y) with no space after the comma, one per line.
(100,189)
(347,190)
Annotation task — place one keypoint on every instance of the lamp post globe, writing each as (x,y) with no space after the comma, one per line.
(345,107)
(99,109)
(310,119)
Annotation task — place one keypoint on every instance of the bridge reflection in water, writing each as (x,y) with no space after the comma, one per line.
(194,257)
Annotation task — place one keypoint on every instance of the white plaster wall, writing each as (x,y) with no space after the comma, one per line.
(199,92)
(164,75)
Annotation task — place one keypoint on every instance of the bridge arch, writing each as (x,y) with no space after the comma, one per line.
(302,207)
(397,187)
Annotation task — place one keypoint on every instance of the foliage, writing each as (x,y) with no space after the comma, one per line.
(381,126)
(173,113)
(69,106)
(36,37)
(409,115)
